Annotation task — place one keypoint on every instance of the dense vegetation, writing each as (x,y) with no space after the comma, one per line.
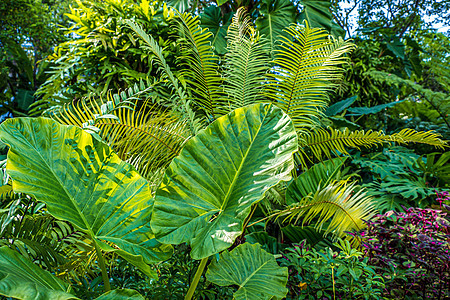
(224,149)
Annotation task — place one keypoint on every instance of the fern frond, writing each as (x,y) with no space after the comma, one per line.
(338,206)
(321,174)
(40,238)
(333,141)
(148,137)
(202,64)
(246,63)
(179,98)
(307,67)
(273,198)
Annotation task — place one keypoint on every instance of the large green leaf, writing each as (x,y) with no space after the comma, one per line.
(253,270)
(316,238)
(317,13)
(275,16)
(180,5)
(338,107)
(22,279)
(319,175)
(267,242)
(121,294)
(212,19)
(208,190)
(82,181)
(364,110)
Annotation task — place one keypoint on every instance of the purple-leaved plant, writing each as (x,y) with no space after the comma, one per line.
(412,251)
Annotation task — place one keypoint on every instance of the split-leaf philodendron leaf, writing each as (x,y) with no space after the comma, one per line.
(82,181)
(208,190)
(22,279)
(253,270)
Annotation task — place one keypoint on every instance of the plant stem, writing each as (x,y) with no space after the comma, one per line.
(101,262)
(196,279)
(334,288)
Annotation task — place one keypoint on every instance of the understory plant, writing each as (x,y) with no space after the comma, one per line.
(338,273)
(397,177)
(411,251)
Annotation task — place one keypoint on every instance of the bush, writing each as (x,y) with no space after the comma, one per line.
(411,251)
(317,274)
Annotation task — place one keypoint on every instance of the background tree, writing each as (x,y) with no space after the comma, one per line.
(29,30)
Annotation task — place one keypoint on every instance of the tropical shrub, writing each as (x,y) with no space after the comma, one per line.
(87,168)
(411,251)
(100,34)
(231,138)
(338,273)
(397,177)
(28,33)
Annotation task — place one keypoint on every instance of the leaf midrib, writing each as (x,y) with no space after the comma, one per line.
(242,285)
(89,229)
(244,158)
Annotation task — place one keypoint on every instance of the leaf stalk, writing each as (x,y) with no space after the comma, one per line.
(196,279)
(101,262)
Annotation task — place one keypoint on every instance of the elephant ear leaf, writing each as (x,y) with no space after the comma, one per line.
(317,13)
(208,190)
(121,294)
(84,182)
(22,279)
(275,16)
(253,270)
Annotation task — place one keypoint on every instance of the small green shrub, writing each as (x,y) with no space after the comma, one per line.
(330,274)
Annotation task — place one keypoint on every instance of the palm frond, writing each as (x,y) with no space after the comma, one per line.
(202,64)
(179,99)
(321,174)
(338,206)
(307,68)
(147,137)
(246,63)
(333,141)
(38,237)
(273,198)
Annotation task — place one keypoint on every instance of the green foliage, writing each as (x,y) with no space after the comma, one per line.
(83,182)
(246,64)
(313,236)
(398,177)
(437,101)
(217,23)
(336,205)
(175,273)
(331,274)
(102,35)
(333,141)
(123,294)
(28,31)
(147,137)
(275,15)
(202,64)
(319,175)
(257,87)
(20,278)
(307,67)
(216,183)
(253,270)
(403,16)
